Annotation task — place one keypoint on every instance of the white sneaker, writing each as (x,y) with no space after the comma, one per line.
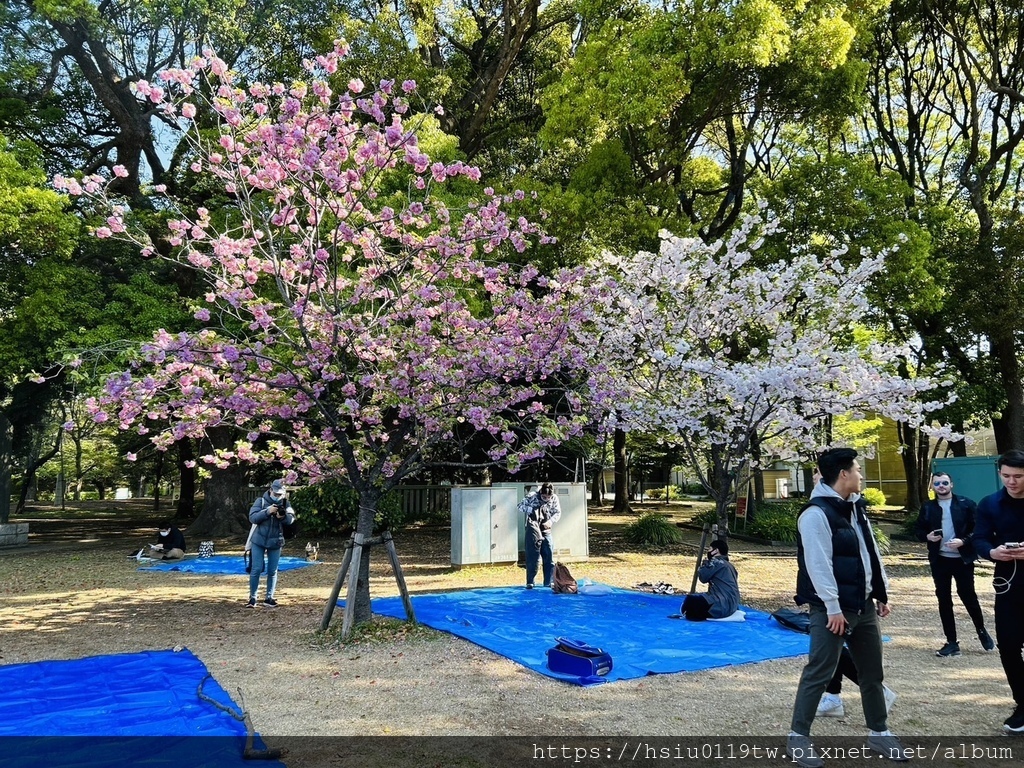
(890,697)
(830,706)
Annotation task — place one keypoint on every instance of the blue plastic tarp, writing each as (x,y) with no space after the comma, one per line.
(221,564)
(634,627)
(124,709)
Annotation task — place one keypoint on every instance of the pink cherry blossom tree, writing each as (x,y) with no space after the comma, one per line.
(740,360)
(353,326)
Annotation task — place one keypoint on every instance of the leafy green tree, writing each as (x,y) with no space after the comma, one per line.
(677,108)
(34,228)
(946,114)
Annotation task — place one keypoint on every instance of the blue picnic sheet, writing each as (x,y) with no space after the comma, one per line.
(116,710)
(634,627)
(219,564)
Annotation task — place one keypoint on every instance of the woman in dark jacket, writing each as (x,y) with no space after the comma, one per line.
(269,513)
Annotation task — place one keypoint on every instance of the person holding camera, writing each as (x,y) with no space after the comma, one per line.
(542,511)
(269,514)
(723,596)
(998,536)
(947,523)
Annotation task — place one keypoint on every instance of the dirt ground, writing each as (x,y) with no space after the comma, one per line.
(73,592)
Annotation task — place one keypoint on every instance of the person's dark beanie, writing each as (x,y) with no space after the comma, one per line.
(721,546)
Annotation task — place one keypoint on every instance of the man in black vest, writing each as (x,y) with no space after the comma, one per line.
(947,523)
(840,576)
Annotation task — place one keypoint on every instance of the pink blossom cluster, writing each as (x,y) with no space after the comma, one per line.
(344,331)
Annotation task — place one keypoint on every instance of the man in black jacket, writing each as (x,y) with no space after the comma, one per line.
(947,524)
(998,537)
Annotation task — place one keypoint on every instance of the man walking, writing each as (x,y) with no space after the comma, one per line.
(840,576)
(998,536)
(947,524)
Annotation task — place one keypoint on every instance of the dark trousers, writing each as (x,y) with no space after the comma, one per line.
(696,608)
(946,570)
(845,668)
(865,644)
(1010,635)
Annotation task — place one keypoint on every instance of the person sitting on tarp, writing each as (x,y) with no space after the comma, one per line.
(170,544)
(723,596)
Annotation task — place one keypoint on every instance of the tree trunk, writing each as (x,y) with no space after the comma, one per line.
(187,481)
(224,510)
(723,492)
(621,504)
(368,501)
(77,440)
(6,460)
(597,488)
(1011,435)
(916,464)
(30,472)
(157,477)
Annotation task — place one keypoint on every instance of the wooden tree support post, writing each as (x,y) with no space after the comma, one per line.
(700,554)
(333,600)
(353,586)
(389,545)
(350,570)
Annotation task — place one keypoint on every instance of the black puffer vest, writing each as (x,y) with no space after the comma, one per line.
(846,562)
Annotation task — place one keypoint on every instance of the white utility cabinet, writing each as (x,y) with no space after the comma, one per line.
(484,523)
(570,535)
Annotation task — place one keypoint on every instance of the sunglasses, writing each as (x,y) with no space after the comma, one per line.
(939,483)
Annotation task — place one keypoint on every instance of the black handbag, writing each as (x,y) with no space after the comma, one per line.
(793,618)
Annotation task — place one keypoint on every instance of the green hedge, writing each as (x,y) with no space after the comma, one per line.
(776,521)
(328,508)
(659,493)
(653,529)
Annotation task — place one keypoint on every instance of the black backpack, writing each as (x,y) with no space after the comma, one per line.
(793,618)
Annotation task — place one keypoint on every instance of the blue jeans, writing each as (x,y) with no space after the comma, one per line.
(533,553)
(273,558)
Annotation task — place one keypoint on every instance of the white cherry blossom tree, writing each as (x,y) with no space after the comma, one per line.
(740,360)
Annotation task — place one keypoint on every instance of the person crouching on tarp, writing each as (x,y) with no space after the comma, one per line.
(723,596)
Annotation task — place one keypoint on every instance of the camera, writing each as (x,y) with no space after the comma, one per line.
(1012,545)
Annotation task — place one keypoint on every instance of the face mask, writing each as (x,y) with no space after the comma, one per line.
(165,533)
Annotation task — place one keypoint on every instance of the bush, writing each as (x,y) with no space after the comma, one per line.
(908,528)
(328,508)
(694,489)
(659,493)
(775,521)
(882,539)
(653,529)
(706,516)
(874,497)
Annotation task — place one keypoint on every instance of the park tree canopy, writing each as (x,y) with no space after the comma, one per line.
(353,325)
